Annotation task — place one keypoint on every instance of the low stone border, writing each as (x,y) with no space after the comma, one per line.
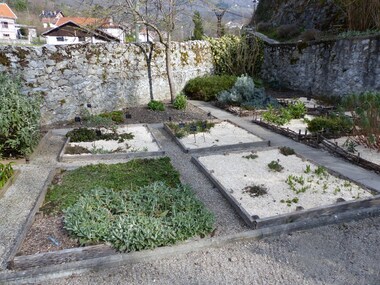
(262,143)
(53,271)
(108,156)
(303,215)
(9,183)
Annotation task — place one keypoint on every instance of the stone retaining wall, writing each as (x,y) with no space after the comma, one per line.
(107,76)
(334,67)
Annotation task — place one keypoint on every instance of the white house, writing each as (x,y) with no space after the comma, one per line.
(8,29)
(72,33)
(74,30)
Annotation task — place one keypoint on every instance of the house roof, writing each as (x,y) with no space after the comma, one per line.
(72,29)
(82,21)
(6,12)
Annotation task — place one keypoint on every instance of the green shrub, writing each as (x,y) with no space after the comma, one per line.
(6,172)
(244,93)
(115,116)
(331,125)
(132,220)
(297,110)
(278,117)
(156,105)
(180,101)
(19,118)
(93,121)
(90,135)
(275,166)
(206,88)
(287,151)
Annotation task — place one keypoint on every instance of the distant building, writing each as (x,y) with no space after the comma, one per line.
(73,30)
(50,18)
(8,29)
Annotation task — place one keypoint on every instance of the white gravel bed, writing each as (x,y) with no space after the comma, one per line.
(366,153)
(142,141)
(236,172)
(223,133)
(298,124)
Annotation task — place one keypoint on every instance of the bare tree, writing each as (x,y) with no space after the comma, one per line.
(163,23)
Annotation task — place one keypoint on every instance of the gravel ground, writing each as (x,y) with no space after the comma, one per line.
(337,254)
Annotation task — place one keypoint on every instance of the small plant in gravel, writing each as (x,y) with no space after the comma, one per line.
(289,202)
(90,135)
(156,105)
(287,151)
(183,129)
(144,218)
(275,166)
(320,171)
(255,190)
(308,169)
(350,145)
(180,101)
(251,156)
(297,109)
(6,172)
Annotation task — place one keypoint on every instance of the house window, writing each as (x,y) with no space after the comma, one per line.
(6,35)
(60,39)
(4,25)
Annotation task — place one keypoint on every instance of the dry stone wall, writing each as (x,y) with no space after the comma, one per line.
(107,76)
(336,67)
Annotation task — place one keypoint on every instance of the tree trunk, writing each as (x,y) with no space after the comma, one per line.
(169,70)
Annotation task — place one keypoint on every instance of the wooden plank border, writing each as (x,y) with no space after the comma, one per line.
(53,271)
(185,149)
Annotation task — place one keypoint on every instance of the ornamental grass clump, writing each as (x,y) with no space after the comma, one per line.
(6,172)
(19,119)
(132,220)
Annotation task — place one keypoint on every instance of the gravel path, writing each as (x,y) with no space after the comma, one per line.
(336,254)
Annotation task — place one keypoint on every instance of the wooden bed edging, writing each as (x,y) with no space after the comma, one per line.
(335,149)
(28,276)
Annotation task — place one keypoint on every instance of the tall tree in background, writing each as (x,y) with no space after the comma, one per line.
(198,32)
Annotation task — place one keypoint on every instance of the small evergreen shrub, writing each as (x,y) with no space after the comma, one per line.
(206,88)
(6,172)
(297,110)
(19,119)
(287,151)
(275,166)
(151,216)
(115,116)
(277,116)
(156,105)
(180,101)
(244,93)
(331,125)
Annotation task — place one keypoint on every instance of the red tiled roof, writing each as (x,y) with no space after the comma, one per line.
(82,21)
(6,12)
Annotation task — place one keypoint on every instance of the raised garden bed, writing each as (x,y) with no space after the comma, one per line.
(141,202)
(294,189)
(211,135)
(129,141)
